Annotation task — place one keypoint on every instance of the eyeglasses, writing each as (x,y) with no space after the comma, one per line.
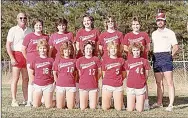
(23,18)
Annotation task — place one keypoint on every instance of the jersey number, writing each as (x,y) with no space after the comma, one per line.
(91,71)
(45,70)
(139,70)
(70,69)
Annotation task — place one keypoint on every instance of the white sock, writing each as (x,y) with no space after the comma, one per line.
(30,93)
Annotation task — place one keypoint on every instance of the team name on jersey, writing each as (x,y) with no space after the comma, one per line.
(135,64)
(42,64)
(136,40)
(83,38)
(56,41)
(83,66)
(61,65)
(35,41)
(112,65)
(107,40)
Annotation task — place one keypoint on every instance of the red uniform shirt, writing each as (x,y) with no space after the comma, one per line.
(88,71)
(136,67)
(57,39)
(113,71)
(65,69)
(107,37)
(42,70)
(82,36)
(30,42)
(142,37)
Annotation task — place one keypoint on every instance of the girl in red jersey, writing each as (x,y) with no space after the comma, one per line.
(137,75)
(113,76)
(41,71)
(137,36)
(56,39)
(87,33)
(89,73)
(29,50)
(110,35)
(64,71)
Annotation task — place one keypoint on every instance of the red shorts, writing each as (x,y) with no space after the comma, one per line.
(21,62)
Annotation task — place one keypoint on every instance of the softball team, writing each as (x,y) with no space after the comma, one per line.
(71,66)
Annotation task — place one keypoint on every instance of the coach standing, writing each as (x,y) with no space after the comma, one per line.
(165,46)
(15,38)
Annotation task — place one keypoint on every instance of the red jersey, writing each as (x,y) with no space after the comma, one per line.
(107,37)
(82,36)
(65,69)
(88,71)
(42,71)
(136,67)
(113,71)
(142,37)
(57,39)
(30,42)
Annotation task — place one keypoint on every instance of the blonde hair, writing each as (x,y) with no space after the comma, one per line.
(136,45)
(66,45)
(110,45)
(42,42)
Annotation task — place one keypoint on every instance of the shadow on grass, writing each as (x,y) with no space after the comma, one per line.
(179,101)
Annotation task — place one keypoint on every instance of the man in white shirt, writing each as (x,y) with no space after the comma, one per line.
(165,46)
(15,38)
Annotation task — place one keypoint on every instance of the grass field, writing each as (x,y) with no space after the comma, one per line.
(180,110)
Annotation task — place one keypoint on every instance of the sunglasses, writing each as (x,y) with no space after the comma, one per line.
(23,18)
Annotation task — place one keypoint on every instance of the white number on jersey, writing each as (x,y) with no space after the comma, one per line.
(45,70)
(70,69)
(139,70)
(91,71)
(117,71)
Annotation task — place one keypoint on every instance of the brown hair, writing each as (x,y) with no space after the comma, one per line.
(136,45)
(66,45)
(36,21)
(61,21)
(91,18)
(89,43)
(112,44)
(107,20)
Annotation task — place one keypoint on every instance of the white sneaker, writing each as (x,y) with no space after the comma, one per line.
(155,105)
(14,103)
(29,104)
(169,108)
(24,102)
(146,106)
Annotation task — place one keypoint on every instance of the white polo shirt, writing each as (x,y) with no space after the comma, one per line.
(163,40)
(16,35)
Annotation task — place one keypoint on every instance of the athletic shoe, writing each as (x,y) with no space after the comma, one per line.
(29,104)
(24,102)
(14,103)
(169,108)
(146,106)
(155,105)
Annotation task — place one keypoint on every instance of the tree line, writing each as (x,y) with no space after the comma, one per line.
(123,10)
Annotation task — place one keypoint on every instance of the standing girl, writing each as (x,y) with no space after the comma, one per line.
(110,35)
(56,39)
(86,33)
(137,75)
(41,75)
(89,73)
(64,71)
(29,50)
(113,76)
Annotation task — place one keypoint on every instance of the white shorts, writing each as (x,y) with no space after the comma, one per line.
(88,90)
(112,89)
(134,91)
(47,88)
(65,89)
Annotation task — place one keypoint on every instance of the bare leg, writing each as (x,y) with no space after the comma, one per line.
(130,102)
(118,100)
(93,98)
(84,96)
(25,80)
(70,99)
(37,95)
(60,99)
(106,99)
(140,102)
(48,96)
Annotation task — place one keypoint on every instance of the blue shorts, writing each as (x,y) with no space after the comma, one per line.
(162,62)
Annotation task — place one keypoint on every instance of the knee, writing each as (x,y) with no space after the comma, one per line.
(25,80)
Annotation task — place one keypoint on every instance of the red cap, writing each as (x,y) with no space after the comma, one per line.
(161,16)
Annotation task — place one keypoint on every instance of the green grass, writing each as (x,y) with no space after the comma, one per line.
(180,110)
